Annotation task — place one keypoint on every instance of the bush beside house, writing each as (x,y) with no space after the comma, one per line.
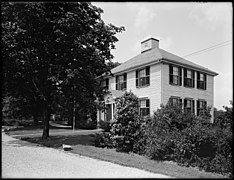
(170,134)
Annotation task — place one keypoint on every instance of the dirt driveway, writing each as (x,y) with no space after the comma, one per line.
(21,159)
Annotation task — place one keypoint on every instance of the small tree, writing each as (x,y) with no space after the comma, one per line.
(126,122)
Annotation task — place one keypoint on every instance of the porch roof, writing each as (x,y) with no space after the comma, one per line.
(116,93)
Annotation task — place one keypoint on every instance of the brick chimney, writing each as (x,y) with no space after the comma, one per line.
(148,44)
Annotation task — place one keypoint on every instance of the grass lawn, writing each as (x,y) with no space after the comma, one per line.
(83,145)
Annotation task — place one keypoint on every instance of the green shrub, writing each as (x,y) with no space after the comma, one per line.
(103,140)
(105,125)
(126,122)
(189,140)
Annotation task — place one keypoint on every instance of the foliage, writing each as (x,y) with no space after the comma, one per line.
(224,118)
(189,140)
(105,125)
(103,140)
(53,52)
(126,122)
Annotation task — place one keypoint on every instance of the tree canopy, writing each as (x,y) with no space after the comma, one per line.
(55,50)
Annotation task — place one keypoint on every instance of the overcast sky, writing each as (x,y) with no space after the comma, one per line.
(182,29)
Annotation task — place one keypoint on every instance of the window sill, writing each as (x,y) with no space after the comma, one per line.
(142,86)
(189,87)
(174,84)
(121,89)
(201,89)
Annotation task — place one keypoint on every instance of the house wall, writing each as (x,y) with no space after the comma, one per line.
(152,92)
(169,90)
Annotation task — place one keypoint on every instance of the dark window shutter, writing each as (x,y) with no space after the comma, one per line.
(193,106)
(180,76)
(198,78)
(136,78)
(170,74)
(185,103)
(193,77)
(117,83)
(125,77)
(185,75)
(198,105)
(125,85)
(205,81)
(180,102)
(170,69)
(148,75)
(147,71)
(147,103)
(205,103)
(185,72)
(147,80)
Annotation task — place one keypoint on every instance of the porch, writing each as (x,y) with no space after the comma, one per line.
(108,113)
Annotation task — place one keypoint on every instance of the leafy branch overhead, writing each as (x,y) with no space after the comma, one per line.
(50,47)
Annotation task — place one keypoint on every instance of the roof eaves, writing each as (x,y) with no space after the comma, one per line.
(137,67)
(194,67)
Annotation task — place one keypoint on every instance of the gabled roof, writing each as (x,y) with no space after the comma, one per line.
(157,55)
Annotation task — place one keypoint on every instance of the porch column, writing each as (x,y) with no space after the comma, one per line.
(112,109)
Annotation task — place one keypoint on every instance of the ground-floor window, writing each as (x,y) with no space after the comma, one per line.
(200,105)
(175,101)
(189,105)
(144,107)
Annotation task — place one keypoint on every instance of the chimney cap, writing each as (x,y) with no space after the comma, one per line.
(149,39)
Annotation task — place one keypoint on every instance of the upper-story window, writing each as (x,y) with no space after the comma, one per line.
(200,105)
(175,75)
(121,82)
(189,105)
(175,101)
(144,107)
(188,78)
(143,77)
(105,83)
(201,80)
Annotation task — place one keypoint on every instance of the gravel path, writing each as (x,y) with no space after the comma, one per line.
(22,159)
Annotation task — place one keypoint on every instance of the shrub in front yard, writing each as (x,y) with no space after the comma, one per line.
(105,125)
(189,140)
(103,140)
(126,122)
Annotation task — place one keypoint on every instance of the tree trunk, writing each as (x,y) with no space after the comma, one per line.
(46,122)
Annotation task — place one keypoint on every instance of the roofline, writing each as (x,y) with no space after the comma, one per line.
(163,60)
(137,67)
(149,39)
(192,67)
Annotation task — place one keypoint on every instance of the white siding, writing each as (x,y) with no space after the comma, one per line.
(184,92)
(153,92)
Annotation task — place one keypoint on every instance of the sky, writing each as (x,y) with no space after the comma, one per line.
(182,28)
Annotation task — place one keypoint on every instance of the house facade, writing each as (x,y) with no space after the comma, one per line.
(156,77)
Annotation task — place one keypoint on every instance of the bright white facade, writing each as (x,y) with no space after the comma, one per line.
(157,76)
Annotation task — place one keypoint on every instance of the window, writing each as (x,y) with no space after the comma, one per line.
(200,105)
(121,82)
(175,101)
(105,83)
(189,105)
(143,77)
(201,80)
(175,75)
(144,107)
(188,78)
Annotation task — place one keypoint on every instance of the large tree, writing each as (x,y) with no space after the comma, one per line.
(53,50)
